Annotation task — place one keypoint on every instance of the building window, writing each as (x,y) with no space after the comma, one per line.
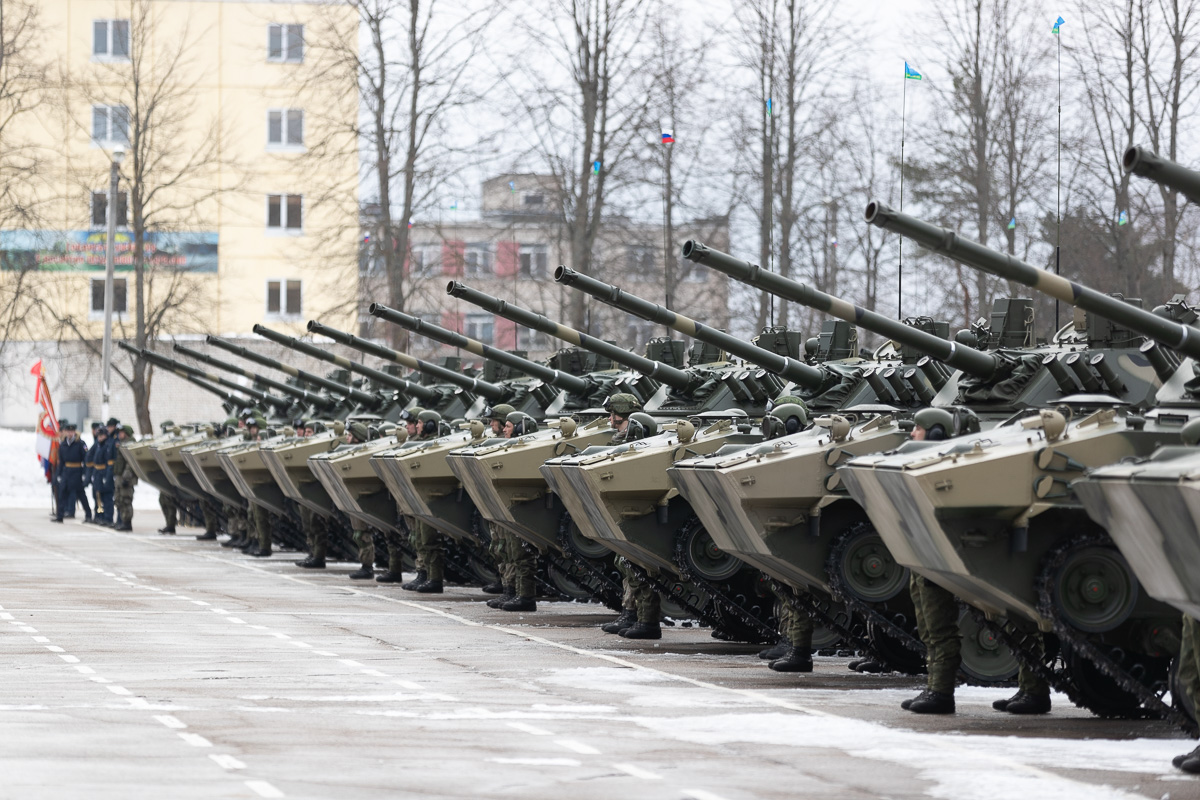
(285,43)
(426,261)
(98,296)
(533,261)
(285,127)
(100,209)
(110,39)
(530,340)
(477,260)
(535,200)
(284,298)
(110,125)
(285,212)
(639,260)
(479,326)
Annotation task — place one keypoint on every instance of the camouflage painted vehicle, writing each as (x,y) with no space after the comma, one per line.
(991,516)
(1151,506)
(633,508)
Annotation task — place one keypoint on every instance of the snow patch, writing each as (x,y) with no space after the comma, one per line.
(23,484)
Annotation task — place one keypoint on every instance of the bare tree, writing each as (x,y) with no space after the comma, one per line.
(583,126)
(170,172)
(416,75)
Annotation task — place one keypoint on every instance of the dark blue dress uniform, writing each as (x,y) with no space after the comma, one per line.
(71,457)
(102,476)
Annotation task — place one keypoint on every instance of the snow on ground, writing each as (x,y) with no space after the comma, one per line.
(22,484)
(981,767)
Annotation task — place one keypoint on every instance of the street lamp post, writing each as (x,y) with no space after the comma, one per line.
(118,156)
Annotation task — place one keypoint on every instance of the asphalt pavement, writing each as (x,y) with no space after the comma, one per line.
(147,666)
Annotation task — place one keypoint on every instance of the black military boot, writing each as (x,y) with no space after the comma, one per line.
(775,651)
(430,587)
(868,665)
(931,702)
(493,588)
(643,630)
(412,585)
(1191,764)
(167,531)
(313,563)
(235,540)
(1028,704)
(520,604)
(626,620)
(798,659)
(363,573)
(509,595)
(262,552)
(907,704)
(1177,761)
(207,536)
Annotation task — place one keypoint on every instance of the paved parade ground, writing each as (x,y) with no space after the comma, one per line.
(138,665)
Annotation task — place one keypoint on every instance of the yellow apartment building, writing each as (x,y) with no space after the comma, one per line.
(218,107)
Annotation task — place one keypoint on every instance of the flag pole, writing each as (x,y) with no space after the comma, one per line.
(900,243)
(1058,186)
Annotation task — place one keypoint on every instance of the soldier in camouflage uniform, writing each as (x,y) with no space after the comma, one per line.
(519,558)
(125,479)
(1189,680)
(316,526)
(640,604)
(356,434)
(166,500)
(260,518)
(428,540)
(498,544)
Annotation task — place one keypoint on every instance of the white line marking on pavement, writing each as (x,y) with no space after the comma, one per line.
(69,659)
(302,644)
(259,627)
(235,620)
(18,623)
(121,690)
(201,603)
(325,653)
(40,639)
(6,615)
(530,729)
(700,794)
(578,747)
(140,702)
(98,679)
(638,772)
(264,789)
(53,648)
(537,762)
(218,611)
(416,687)
(374,672)
(28,629)
(195,740)
(170,721)
(279,635)
(227,762)
(349,662)
(82,670)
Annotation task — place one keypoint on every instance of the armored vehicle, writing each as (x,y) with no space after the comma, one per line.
(991,516)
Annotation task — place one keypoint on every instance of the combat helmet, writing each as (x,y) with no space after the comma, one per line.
(622,404)
(522,423)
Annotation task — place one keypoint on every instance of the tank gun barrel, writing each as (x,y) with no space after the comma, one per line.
(302,396)
(964,358)
(554,377)
(1146,164)
(1174,335)
(380,378)
(783,366)
(675,378)
(316,380)
(481,387)
(183,370)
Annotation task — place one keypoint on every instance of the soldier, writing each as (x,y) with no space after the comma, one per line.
(1189,680)
(318,531)
(102,477)
(166,500)
(125,479)
(88,463)
(498,546)
(640,603)
(259,547)
(429,543)
(521,560)
(71,453)
(356,434)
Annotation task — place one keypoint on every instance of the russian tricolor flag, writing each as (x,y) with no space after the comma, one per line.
(667,136)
